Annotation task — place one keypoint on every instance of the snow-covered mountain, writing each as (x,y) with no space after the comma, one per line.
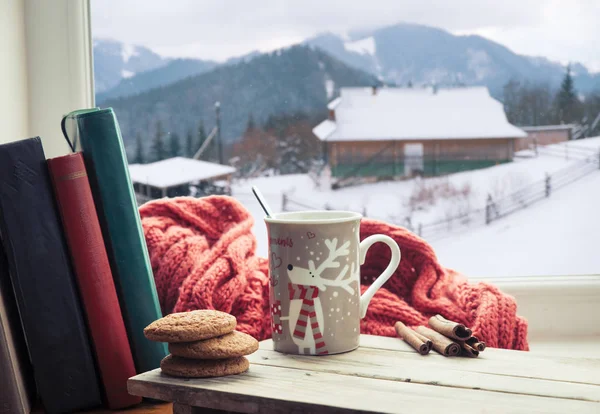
(418,54)
(399,54)
(124,70)
(115,60)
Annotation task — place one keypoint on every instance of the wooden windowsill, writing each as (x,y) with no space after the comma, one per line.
(587,346)
(557,308)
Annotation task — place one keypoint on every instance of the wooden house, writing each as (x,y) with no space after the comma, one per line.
(179,176)
(395,132)
(545,135)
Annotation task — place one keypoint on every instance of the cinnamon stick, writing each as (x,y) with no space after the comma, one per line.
(441,344)
(426,340)
(448,328)
(408,335)
(474,342)
(468,350)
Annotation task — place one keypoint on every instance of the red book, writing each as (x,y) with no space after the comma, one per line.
(94,277)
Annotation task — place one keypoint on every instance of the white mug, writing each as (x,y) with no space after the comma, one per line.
(314,272)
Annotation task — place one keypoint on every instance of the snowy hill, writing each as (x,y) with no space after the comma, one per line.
(287,81)
(419,54)
(171,72)
(532,241)
(114,60)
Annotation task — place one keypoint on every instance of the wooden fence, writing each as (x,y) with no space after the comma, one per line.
(587,161)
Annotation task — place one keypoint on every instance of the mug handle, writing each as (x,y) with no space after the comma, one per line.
(387,273)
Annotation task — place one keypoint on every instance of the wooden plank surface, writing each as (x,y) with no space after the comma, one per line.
(284,390)
(391,366)
(492,361)
(386,375)
(396,344)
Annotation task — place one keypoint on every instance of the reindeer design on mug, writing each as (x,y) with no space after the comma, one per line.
(305,316)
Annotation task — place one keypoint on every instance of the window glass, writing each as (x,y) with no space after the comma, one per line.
(476,125)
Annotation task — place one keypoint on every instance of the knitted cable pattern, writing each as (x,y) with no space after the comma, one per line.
(202,252)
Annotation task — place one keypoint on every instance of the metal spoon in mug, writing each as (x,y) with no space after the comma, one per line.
(262,201)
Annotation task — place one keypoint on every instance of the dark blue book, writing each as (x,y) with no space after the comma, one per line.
(43,283)
(17,390)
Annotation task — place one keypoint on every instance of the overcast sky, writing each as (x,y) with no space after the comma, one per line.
(562,30)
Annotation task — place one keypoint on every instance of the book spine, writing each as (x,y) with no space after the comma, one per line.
(104,156)
(15,370)
(43,282)
(94,277)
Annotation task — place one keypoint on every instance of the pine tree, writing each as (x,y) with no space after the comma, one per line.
(567,104)
(592,113)
(158,146)
(174,145)
(190,151)
(138,157)
(290,159)
(295,149)
(511,97)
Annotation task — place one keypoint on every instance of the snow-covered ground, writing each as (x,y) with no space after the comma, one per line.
(589,143)
(392,200)
(555,236)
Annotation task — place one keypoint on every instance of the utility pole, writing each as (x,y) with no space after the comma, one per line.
(219,138)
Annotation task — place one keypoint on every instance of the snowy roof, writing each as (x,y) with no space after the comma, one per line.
(548,127)
(333,104)
(176,171)
(325,128)
(416,113)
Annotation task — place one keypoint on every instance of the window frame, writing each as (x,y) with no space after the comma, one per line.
(59,66)
(555,306)
(561,307)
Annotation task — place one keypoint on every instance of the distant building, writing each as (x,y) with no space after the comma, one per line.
(179,176)
(395,132)
(545,135)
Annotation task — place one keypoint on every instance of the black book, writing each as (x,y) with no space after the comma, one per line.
(17,390)
(43,282)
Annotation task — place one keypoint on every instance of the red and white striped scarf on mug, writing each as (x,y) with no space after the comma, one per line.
(307,314)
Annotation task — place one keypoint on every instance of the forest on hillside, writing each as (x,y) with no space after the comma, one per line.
(285,144)
(536,104)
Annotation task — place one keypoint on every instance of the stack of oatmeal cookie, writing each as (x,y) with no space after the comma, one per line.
(202,343)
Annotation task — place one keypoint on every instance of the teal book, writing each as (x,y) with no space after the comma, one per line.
(99,135)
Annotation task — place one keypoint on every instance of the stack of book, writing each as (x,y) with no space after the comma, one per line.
(76,285)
